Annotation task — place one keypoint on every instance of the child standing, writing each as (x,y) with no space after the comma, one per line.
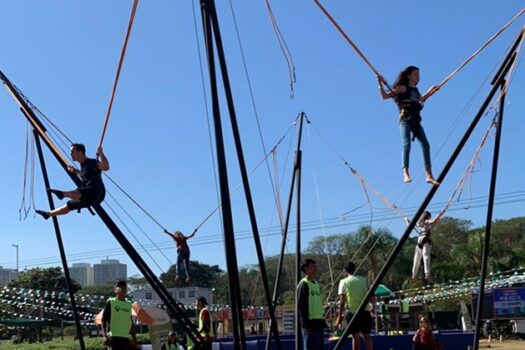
(183,254)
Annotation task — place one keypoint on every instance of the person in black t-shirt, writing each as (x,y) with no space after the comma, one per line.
(410,102)
(91,190)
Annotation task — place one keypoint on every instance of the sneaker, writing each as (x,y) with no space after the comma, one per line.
(59,194)
(44,214)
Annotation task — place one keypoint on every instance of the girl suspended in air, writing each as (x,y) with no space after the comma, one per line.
(183,254)
(424,244)
(410,103)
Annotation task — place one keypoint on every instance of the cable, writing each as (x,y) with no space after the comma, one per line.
(120,63)
(284,48)
(352,44)
(487,43)
(514,197)
(252,98)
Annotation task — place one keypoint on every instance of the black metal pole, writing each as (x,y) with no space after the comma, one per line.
(60,243)
(244,172)
(397,249)
(280,263)
(298,334)
(227,216)
(175,310)
(490,209)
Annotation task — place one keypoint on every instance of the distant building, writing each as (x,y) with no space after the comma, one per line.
(83,274)
(110,271)
(185,295)
(6,275)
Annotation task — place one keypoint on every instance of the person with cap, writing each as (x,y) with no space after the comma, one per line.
(352,291)
(117,315)
(172,343)
(310,307)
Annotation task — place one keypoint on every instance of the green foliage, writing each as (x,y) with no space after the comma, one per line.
(106,290)
(49,279)
(67,344)
(202,275)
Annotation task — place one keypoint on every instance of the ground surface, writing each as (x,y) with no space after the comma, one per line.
(505,345)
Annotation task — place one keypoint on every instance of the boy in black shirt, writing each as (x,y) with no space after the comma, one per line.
(91,190)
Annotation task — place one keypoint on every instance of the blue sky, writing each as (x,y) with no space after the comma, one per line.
(63,55)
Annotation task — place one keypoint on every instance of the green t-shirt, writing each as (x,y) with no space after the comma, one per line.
(354,288)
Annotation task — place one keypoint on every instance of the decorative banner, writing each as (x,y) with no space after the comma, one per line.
(509,302)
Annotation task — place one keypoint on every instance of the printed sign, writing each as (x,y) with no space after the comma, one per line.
(509,302)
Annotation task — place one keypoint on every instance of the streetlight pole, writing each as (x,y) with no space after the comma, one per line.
(16,246)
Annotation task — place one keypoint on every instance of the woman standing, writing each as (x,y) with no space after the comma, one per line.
(410,102)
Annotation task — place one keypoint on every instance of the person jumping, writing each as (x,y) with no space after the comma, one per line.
(183,254)
(424,245)
(91,190)
(410,103)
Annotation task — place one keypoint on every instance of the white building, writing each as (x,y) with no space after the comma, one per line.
(6,275)
(185,295)
(110,271)
(83,274)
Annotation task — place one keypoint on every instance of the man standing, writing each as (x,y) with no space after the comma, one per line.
(91,190)
(117,314)
(205,326)
(310,307)
(352,291)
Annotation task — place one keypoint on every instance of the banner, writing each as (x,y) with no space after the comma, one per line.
(509,302)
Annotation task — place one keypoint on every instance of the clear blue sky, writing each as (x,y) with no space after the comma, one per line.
(63,55)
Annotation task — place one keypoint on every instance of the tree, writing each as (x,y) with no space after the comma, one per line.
(50,279)
(105,290)
(202,275)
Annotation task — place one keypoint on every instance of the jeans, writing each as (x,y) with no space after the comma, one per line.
(183,262)
(404,128)
(313,339)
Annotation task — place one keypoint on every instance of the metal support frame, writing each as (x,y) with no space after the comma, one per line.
(60,242)
(490,209)
(295,186)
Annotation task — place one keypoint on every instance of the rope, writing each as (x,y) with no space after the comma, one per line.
(121,61)
(32,175)
(37,126)
(135,202)
(240,184)
(321,217)
(347,38)
(462,182)
(141,229)
(284,48)
(254,105)
(23,202)
(278,187)
(135,237)
(487,43)
(206,108)
(365,184)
